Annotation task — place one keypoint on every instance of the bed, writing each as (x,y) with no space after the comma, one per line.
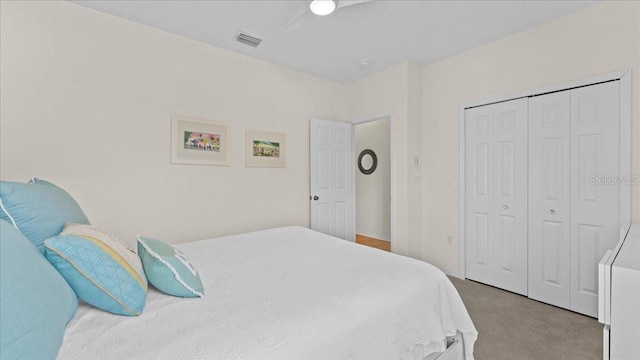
(287,293)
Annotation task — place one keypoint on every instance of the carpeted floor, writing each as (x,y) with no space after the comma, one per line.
(513,327)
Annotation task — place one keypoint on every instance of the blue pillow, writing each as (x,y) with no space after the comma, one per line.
(168,269)
(38,209)
(35,302)
(100,268)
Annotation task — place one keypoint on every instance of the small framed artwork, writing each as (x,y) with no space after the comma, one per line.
(198,142)
(265,149)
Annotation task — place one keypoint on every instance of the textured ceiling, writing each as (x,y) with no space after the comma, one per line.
(383,31)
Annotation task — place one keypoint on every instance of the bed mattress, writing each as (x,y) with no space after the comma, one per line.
(286,293)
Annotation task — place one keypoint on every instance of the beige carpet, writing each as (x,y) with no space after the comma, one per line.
(513,327)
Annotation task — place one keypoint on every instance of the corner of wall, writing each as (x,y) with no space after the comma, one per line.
(397,90)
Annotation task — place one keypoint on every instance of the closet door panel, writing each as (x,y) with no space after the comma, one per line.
(496,182)
(549,198)
(595,137)
(510,195)
(478,170)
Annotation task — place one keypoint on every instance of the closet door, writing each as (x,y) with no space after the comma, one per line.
(549,198)
(595,159)
(509,187)
(496,194)
(479,169)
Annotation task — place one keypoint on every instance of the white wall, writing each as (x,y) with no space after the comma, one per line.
(80,88)
(86,103)
(86,85)
(393,91)
(596,40)
(373,206)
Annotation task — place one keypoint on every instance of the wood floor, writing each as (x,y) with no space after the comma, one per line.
(375,243)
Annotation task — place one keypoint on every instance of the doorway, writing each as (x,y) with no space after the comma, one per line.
(372,142)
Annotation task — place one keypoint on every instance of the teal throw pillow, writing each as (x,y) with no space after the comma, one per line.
(36,303)
(99,268)
(39,209)
(168,269)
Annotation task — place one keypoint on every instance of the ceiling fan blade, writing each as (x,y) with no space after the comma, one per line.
(345,3)
(292,25)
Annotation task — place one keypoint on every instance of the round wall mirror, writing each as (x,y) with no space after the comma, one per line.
(367,161)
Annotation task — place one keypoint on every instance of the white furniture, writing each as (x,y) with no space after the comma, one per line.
(619,298)
(288,293)
(546,189)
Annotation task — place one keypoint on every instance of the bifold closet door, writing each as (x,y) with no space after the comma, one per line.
(595,171)
(574,167)
(550,198)
(496,194)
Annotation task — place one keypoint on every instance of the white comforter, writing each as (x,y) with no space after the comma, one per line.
(285,294)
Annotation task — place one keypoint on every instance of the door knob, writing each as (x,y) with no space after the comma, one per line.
(552,211)
(315,197)
(506,207)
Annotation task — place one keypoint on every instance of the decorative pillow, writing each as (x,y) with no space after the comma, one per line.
(100,268)
(35,302)
(168,269)
(38,209)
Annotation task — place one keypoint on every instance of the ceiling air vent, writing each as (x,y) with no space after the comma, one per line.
(248,40)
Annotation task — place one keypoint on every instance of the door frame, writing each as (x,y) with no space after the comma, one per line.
(392,169)
(624,76)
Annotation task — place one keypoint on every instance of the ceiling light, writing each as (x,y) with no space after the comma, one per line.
(364,63)
(322,7)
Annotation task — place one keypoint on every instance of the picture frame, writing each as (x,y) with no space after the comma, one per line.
(265,149)
(198,141)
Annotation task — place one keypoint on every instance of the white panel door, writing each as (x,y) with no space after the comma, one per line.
(330,178)
(549,198)
(595,154)
(510,195)
(479,170)
(496,194)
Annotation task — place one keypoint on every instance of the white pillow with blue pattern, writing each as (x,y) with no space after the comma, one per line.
(167,268)
(99,268)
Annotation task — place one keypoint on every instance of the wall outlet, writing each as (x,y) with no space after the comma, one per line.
(449,240)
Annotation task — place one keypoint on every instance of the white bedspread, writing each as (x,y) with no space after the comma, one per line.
(285,294)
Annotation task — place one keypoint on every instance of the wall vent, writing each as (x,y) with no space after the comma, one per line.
(248,39)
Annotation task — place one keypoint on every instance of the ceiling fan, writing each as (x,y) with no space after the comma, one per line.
(326,7)
(321,8)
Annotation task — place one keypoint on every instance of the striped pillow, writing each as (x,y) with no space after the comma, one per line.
(100,268)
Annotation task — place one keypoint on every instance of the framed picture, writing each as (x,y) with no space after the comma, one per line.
(198,141)
(265,149)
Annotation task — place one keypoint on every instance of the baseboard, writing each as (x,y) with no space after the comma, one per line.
(455,274)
